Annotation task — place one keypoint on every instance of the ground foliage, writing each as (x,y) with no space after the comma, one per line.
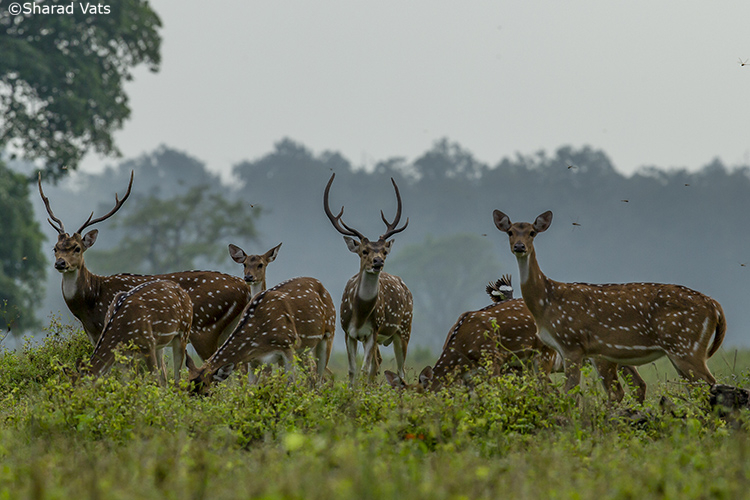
(123,436)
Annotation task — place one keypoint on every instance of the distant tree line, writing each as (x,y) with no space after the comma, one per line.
(673,226)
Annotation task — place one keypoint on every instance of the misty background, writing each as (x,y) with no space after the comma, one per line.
(657,225)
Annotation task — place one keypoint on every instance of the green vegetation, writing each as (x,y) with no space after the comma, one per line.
(123,436)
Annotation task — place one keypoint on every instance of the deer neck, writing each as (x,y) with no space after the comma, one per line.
(256,288)
(367,288)
(534,284)
(77,285)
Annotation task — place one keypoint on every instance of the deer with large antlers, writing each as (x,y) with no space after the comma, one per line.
(628,324)
(217,298)
(503,333)
(151,316)
(292,317)
(376,307)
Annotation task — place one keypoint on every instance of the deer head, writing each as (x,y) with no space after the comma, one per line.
(255,265)
(372,254)
(69,249)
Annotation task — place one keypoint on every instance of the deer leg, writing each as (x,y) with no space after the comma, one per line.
(152,362)
(371,362)
(351,352)
(287,358)
(399,350)
(607,371)
(693,369)
(321,357)
(572,371)
(178,355)
(632,377)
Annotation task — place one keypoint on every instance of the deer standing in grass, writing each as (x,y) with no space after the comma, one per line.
(289,318)
(376,307)
(217,298)
(505,334)
(151,316)
(627,324)
(255,266)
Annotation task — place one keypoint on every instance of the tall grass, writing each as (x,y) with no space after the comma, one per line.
(124,436)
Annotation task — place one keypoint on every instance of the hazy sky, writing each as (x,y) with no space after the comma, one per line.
(651,83)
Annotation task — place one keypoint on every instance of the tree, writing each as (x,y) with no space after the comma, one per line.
(174,234)
(446,276)
(21,261)
(61,79)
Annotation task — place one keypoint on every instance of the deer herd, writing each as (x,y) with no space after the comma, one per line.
(239,324)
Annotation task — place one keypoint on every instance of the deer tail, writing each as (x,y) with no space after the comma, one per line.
(721,329)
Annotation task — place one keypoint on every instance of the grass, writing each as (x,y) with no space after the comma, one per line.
(123,436)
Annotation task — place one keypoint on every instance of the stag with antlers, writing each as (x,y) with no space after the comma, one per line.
(217,298)
(630,324)
(376,307)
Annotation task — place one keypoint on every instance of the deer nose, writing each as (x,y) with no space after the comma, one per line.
(249,278)
(519,247)
(60,264)
(378,263)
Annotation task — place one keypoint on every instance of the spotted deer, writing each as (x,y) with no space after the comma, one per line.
(376,307)
(503,333)
(627,324)
(151,316)
(255,266)
(217,298)
(287,319)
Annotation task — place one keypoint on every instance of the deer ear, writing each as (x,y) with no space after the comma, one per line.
(388,245)
(425,376)
(272,253)
(502,221)
(351,244)
(393,379)
(543,221)
(238,255)
(90,238)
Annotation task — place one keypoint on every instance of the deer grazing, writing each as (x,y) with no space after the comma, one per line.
(376,307)
(627,324)
(217,298)
(151,316)
(503,333)
(255,266)
(289,318)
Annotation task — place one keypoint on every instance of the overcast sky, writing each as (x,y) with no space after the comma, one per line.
(649,82)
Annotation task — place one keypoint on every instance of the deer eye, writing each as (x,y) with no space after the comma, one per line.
(532,233)
(365,252)
(77,250)
(510,233)
(260,266)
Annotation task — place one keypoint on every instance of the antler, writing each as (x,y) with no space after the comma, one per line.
(60,228)
(336,220)
(391,226)
(118,204)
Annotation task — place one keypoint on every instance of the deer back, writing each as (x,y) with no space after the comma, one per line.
(295,314)
(503,332)
(148,315)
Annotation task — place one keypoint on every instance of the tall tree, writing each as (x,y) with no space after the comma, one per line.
(61,79)
(21,261)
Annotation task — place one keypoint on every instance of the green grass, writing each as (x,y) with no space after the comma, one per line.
(123,436)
